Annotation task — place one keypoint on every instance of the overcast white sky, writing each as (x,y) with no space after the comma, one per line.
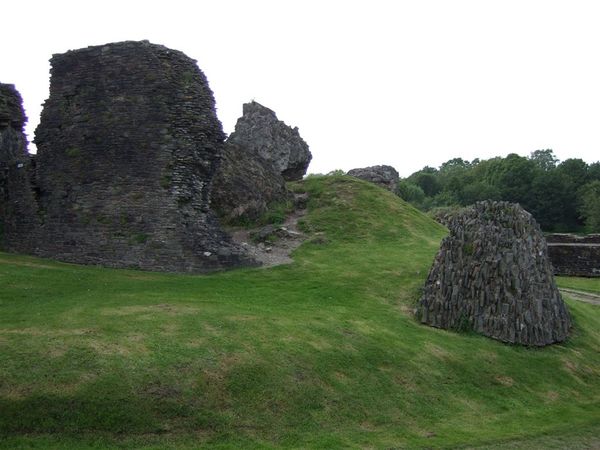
(404,83)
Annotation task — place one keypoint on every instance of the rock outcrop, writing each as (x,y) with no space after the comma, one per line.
(260,132)
(492,275)
(18,211)
(245,185)
(128,145)
(384,176)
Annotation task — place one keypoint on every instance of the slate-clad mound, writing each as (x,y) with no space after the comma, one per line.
(127,148)
(18,211)
(260,132)
(492,275)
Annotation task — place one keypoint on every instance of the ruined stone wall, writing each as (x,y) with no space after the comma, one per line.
(127,147)
(575,255)
(18,210)
(492,275)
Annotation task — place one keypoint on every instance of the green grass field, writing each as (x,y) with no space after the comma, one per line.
(322,353)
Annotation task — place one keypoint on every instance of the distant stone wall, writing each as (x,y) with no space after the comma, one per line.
(492,275)
(574,255)
(18,210)
(127,148)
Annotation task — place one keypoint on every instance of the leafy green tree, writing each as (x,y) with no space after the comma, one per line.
(477,191)
(512,176)
(594,171)
(427,179)
(547,189)
(410,192)
(454,164)
(544,159)
(576,172)
(454,176)
(550,202)
(590,206)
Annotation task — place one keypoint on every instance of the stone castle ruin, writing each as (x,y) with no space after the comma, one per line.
(128,147)
(492,275)
(19,221)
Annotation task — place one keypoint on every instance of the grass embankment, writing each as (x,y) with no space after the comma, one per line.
(322,353)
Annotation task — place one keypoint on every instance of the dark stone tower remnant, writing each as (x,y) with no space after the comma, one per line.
(492,274)
(18,210)
(127,147)
(260,132)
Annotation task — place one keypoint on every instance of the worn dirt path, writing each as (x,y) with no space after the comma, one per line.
(289,237)
(587,297)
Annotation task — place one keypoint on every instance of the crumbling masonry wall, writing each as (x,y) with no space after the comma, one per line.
(18,210)
(127,147)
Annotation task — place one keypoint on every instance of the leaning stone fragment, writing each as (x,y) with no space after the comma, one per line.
(260,132)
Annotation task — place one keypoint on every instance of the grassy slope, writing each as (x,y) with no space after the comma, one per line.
(322,353)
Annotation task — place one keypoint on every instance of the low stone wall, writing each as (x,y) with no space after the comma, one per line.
(574,255)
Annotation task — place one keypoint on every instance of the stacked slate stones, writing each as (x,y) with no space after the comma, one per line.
(492,275)
(18,210)
(128,145)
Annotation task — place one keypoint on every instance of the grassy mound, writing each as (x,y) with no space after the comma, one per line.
(323,353)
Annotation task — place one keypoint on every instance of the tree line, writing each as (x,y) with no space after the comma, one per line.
(562,196)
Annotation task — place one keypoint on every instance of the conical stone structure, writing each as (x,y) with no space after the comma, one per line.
(492,275)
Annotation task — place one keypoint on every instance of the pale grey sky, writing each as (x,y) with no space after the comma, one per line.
(405,83)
